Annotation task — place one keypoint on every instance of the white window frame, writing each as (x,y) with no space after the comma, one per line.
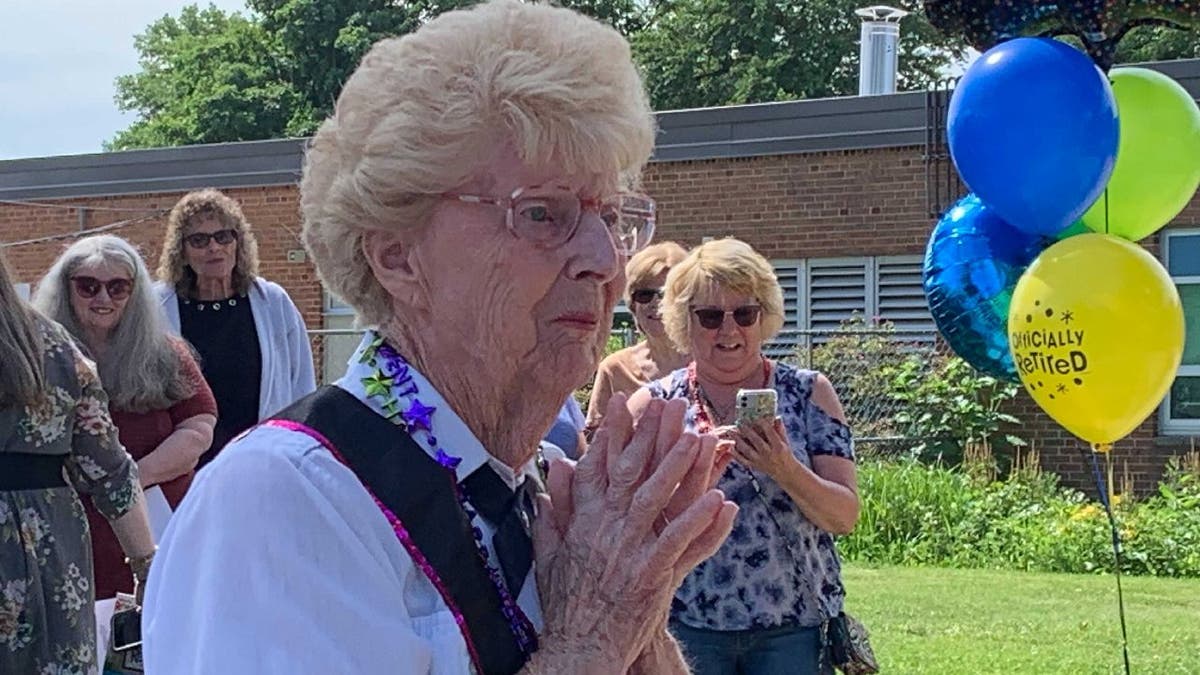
(334,307)
(1167,424)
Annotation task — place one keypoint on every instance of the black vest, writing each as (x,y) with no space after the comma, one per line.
(421,493)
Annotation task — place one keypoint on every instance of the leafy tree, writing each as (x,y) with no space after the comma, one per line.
(1158,43)
(206,77)
(322,41)
(700,53)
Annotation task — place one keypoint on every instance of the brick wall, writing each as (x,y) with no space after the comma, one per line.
(815,205)
(272,211)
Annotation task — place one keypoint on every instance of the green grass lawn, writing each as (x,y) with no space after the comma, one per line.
(927,620)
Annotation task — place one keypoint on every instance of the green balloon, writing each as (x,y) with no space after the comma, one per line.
(1158,156)
(1077,228)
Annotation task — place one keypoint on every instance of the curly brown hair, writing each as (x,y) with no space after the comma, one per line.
(194,206)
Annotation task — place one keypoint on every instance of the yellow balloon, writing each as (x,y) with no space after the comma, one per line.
(1096,332)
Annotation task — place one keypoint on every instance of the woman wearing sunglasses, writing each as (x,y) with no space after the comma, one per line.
(251,339)
(57,441)
(472,197)
(756,607)
(627,370)
(101,292)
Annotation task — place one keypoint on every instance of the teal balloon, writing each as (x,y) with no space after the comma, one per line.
(972,265)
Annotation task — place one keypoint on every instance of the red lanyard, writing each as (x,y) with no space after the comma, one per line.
(704,423)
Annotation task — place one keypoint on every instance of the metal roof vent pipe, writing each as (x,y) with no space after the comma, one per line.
(879,50)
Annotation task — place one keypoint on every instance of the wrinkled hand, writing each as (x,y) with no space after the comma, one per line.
(605,574)
(762,445)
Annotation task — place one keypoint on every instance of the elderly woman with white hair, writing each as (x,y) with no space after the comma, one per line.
(471,199)
(760,605)
(100,290)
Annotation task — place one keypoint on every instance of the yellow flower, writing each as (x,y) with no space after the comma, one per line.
(1085,512)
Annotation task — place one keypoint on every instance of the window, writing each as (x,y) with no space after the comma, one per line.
(819,294)
(1180,412)
(338,339)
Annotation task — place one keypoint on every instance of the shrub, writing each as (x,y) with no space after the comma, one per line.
(914,513)
(898,387)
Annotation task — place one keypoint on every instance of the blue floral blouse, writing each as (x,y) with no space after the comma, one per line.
(759,579)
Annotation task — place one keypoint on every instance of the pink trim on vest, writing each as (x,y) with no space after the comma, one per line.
(397,527)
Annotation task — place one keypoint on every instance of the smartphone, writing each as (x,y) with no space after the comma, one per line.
(756,404)
(126,629)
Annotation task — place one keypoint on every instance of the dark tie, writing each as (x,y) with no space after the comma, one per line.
(510,513)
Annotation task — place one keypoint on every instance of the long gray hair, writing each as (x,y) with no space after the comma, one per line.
(22,376)
(141,369)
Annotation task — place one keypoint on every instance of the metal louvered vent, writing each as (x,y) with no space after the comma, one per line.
(900,298)
(837,290)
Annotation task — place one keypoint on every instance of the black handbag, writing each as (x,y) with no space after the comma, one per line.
(847,647)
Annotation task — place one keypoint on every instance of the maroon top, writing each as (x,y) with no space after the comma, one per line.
(141,433)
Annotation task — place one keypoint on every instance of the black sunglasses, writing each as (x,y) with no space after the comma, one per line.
(645,296)
(88,287)
(201,239)
(711,318)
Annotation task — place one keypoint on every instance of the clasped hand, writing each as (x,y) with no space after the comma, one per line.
(617,533)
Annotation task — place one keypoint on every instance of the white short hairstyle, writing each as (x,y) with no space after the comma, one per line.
(423,112)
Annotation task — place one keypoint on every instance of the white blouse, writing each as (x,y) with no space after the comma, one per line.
(278,561)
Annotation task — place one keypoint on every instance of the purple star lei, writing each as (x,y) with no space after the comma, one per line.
(388,365)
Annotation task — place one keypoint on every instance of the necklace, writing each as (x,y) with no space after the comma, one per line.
(214,305)
(704,421)
(392,385)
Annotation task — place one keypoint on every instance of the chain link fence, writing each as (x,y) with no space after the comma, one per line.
(862,364)
(866,367)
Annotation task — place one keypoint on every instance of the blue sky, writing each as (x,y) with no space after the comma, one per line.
(58,60)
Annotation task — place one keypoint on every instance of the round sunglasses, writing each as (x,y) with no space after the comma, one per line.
(201,239)
(645,296)
(711,318)
(89,287)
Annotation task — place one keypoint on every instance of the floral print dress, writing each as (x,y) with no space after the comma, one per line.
(47,621)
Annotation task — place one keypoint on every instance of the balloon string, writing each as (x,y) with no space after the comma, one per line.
(1116,544)
(1105,210)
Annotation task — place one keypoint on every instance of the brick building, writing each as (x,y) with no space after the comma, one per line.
(841,194)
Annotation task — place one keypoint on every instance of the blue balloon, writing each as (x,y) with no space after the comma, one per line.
(972,264)
(1032,128)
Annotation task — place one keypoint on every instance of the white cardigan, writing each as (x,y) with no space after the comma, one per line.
(287,361)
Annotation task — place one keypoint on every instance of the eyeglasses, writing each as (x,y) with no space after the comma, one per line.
(711,318)
(645,296)
(88,287)
(548,215)
(201,239)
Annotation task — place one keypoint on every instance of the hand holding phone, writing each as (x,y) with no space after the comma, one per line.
(126,629)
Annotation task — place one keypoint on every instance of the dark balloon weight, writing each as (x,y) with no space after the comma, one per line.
(1099,24)
(972,264)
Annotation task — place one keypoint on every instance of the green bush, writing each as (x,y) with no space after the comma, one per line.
(945,404)
(919,514)
(903,387)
